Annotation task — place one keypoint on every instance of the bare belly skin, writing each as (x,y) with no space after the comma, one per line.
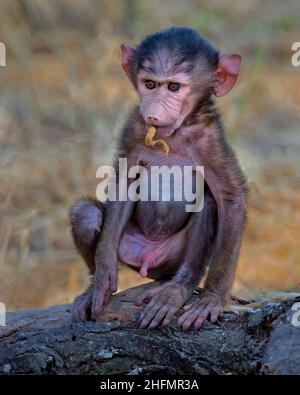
(155,238)
(152,257)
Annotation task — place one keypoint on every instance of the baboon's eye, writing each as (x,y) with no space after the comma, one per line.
(174,86)
(150,84)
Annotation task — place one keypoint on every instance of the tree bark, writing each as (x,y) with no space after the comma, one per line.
(261,338)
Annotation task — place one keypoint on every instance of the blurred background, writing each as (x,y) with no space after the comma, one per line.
(64,98)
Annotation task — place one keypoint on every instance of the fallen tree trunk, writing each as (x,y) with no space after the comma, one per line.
(252,338)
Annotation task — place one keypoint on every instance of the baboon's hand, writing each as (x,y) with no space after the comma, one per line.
(105,284)
(82,305)
(164,301)
(209,305)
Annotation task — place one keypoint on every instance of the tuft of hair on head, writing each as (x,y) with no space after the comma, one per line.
(173,50)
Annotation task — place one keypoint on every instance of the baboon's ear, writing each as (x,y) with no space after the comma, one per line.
(127,56)
(226,74)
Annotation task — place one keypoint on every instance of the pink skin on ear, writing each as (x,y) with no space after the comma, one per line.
(127,54)
(227,73)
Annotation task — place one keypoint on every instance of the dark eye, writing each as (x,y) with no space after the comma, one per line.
(150,84)
(174,86)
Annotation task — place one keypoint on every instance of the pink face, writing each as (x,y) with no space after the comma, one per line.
(165,100)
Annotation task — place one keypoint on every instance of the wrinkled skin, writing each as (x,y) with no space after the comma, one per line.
(164,301)
(209,306)
(160,239)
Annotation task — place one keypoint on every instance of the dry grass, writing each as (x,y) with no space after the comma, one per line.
(64,99)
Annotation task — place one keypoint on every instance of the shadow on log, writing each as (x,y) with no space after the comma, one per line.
(249,338)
